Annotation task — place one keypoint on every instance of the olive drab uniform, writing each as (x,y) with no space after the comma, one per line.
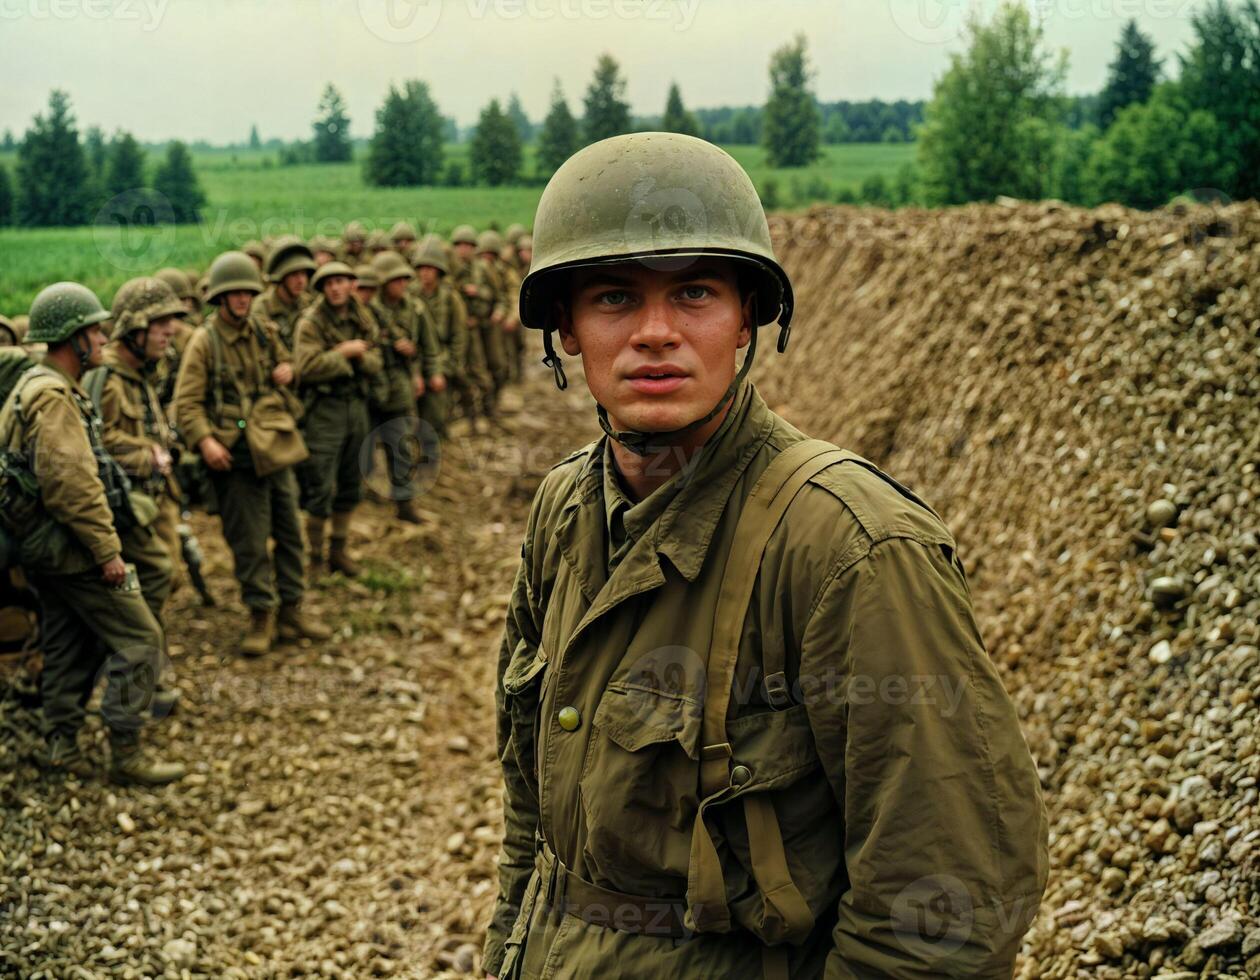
(867,743)
(133,421)
(483,361)
(284,315)
(335,390)
(450,320)
(86,515)
(495,336)
(225,369)
(394,407)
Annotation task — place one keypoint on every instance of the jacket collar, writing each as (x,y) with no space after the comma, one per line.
(230,332)
(118,364)
(684,530)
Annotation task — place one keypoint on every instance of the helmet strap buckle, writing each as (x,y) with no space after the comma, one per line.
(552,360)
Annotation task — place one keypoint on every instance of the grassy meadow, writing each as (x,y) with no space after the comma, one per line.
(250,196)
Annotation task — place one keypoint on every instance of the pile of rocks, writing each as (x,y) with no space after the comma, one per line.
(1078,393)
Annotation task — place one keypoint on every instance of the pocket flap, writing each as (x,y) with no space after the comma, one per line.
(523,668)
(635,717)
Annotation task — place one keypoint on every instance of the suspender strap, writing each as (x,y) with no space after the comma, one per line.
(787,914)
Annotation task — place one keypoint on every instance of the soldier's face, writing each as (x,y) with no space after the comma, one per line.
(96,339)
(658,347)
(238,302)
(395,289)
(295,282)
(354,248)
(428,276)
(159,337)
(337,290)
(526,255)
(464,249)
(323,258)
(365,293)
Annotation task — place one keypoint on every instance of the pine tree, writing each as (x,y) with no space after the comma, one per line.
(9,143)
(177,182)
(558,138)
(677,119)
(790,121)
(254,142)
(52,173)
(1131,77)
(406,149)
(332,129)
(495,152)
(516,112)
(124,167)
(6,197)
(607,111)
(97,152)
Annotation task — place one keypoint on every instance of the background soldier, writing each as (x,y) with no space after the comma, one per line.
(403,238)
(230,363)
(336,354)
(353,239)
(289,266)
(135,432)
(409,353)
(323,250)
(472,280)
(500,321)
(257,251)
(91,603)
(450,322)
(365,283)
(168,368)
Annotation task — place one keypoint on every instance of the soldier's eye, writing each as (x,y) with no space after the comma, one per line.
(694,292)
(613,297)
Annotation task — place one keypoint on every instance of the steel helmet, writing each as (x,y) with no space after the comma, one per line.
(178,280)
(328,270)
(402,232)
(490,241)
(62,310)
(389,266)
(464,235)
(139,302)
(513,233)
(288,254)
(230,272)
(354,232)
(366,276)
(430,251)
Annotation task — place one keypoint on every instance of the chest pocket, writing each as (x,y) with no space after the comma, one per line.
(522,698)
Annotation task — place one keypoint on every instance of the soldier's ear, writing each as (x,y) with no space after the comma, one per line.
(748,323)
(563,320)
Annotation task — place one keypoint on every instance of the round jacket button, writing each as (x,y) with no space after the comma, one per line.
(740,775)
(569,718)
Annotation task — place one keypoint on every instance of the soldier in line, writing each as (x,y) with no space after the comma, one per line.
(134,430)
(257,251)
(410,358)
(501,320)
(323,250)
(93,613)
(168,368)
(289,266)
(402,237)
(337,354)
(365,283)
(699,781)
(450,320)
(353,239)
(232,362)
(472,279)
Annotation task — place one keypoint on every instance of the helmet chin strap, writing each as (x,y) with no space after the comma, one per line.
(83,353)
(649,443)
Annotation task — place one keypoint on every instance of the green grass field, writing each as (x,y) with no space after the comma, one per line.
(249,196)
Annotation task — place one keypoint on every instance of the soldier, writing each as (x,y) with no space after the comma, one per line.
(365,283)
(257,251)
(289,267)
(377,242)
(450,321)
(323,250)
(403,237)
(503,322)
(8,333)
(725,738)
(168,367)
(337,355)
(472,279)
(353,238)
(134,426)
(93,613)
(232,363)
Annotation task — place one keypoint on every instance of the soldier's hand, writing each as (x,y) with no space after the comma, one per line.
(437,383)
(161,461)
(283,374)
(215,454)
(352,349)
(405,347)
(114,571)
(497,319)
(417,386)
(512,325)
(470,289)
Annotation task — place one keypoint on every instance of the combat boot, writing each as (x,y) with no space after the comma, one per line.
(314,542)
(257,641)
(294,624)
(339,559)
(407,512)
(65,756)
(128,766)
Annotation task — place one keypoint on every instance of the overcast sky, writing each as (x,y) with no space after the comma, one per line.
(207,70)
